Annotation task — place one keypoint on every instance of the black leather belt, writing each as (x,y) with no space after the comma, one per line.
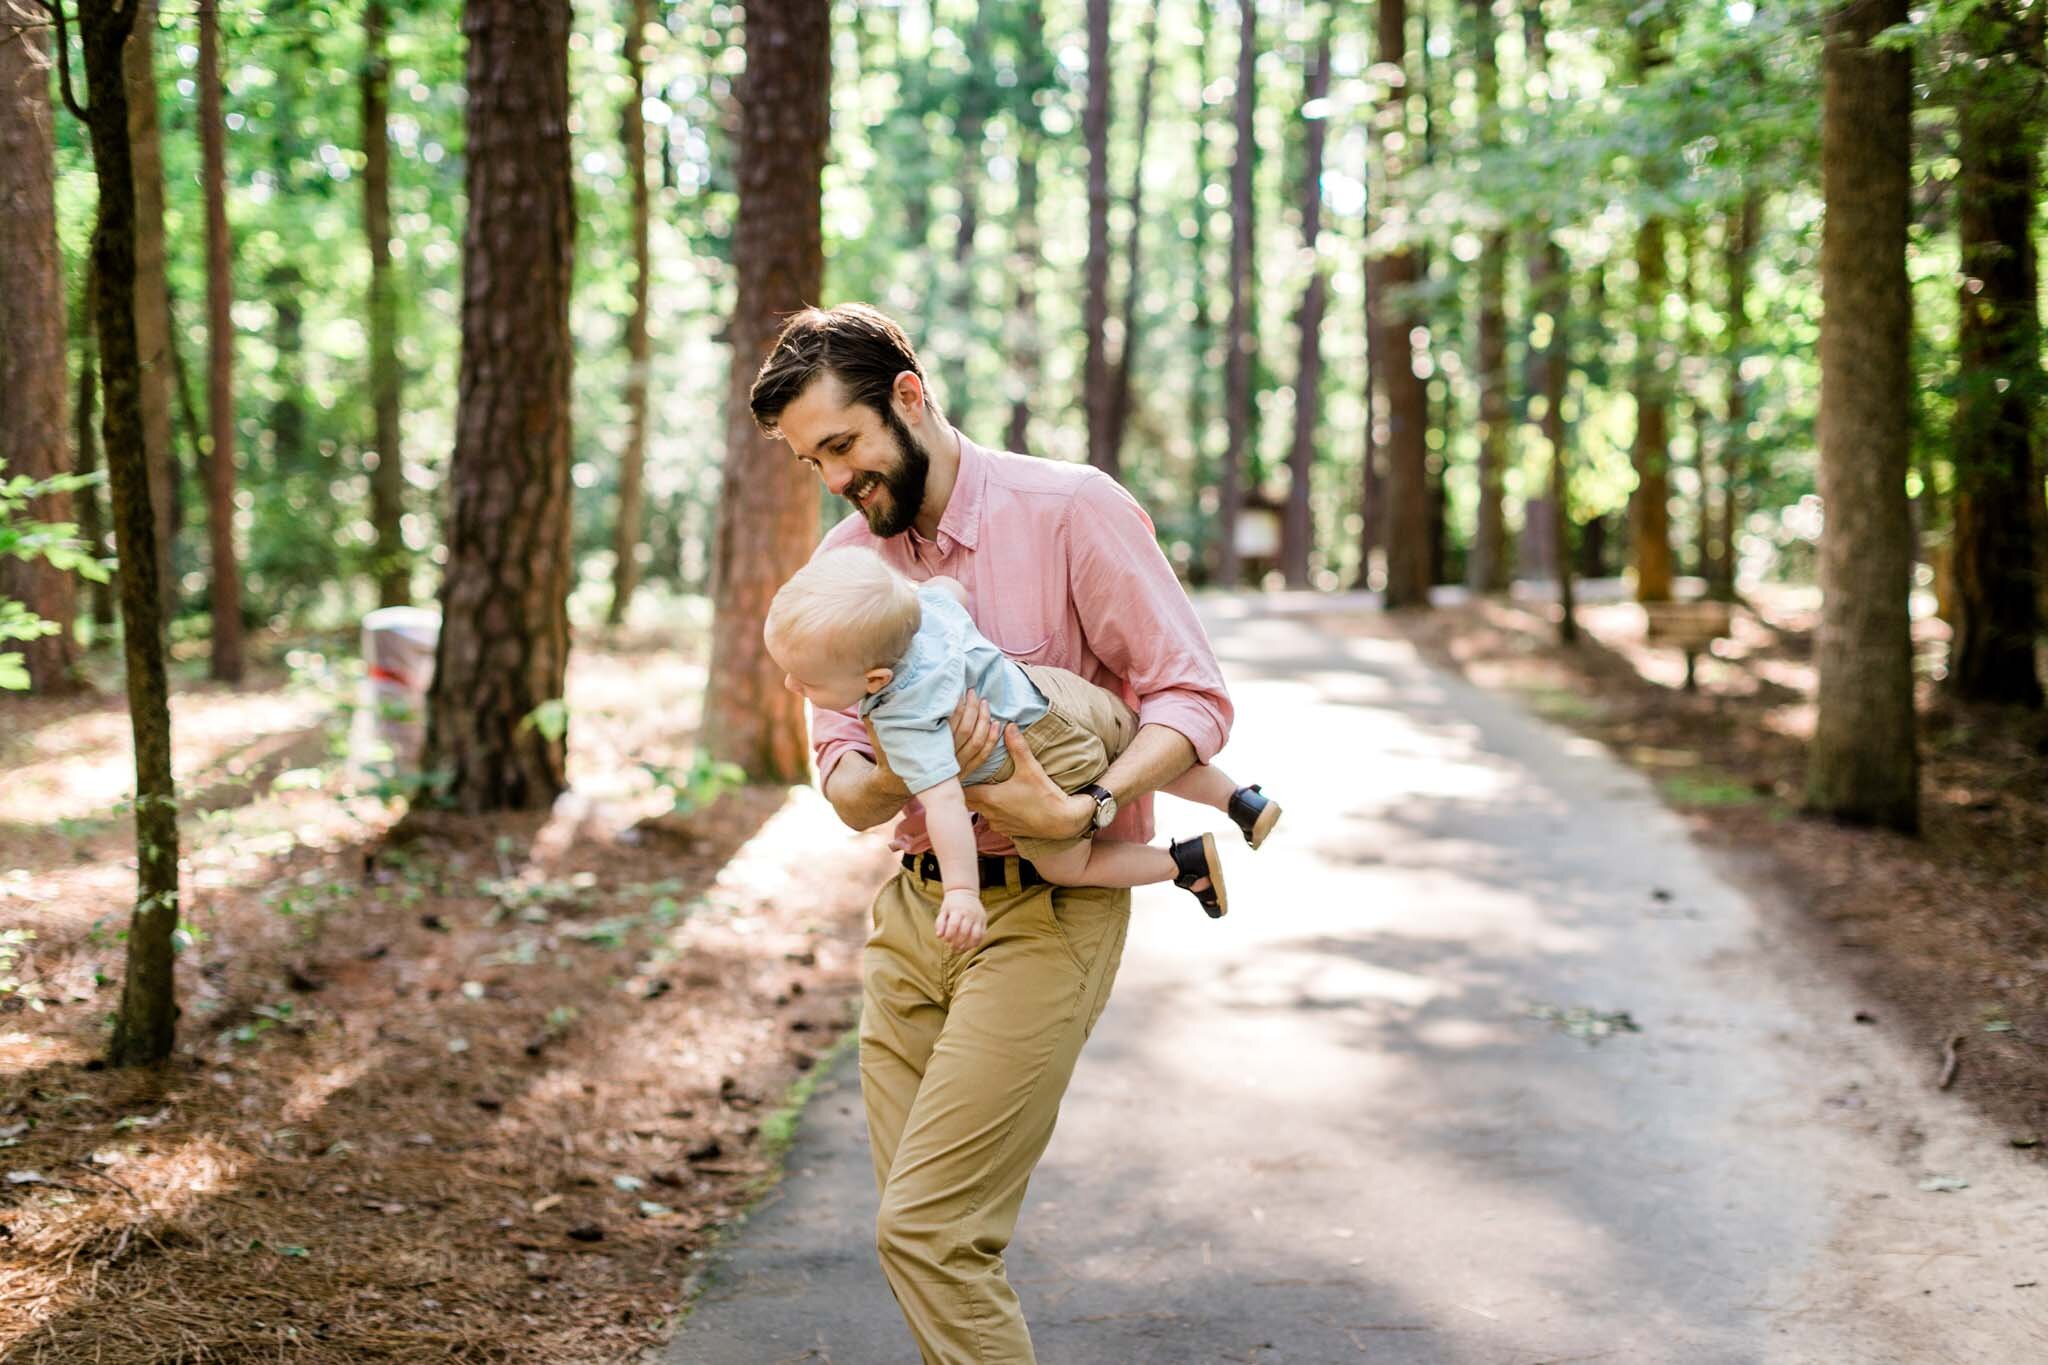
(993,871)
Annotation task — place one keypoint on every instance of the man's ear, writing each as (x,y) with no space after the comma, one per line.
(908,393)
(878,678)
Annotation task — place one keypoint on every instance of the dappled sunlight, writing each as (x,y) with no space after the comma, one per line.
(80,767)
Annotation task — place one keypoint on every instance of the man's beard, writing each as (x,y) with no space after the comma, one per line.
(904,483)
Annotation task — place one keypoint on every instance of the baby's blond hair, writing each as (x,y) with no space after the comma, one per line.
(848,605)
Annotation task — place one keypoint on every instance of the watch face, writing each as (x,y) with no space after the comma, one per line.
(1105,811)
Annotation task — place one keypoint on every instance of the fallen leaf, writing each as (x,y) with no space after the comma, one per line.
(546,1202)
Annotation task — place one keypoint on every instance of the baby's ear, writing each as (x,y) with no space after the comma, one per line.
(878,678)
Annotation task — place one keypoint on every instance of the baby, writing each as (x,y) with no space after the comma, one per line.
(849,629)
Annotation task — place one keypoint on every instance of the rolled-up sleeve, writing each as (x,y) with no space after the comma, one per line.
(1139,621)
(834,735)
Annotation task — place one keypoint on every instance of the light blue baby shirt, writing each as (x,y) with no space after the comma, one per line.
(947,656)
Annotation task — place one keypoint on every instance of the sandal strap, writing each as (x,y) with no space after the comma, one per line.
(1246,803)
(1192,860)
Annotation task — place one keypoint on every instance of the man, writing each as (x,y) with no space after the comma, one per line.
(964,1057)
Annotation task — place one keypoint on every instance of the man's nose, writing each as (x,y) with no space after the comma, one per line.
(836,476)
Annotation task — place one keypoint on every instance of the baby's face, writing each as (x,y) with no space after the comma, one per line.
(826,683)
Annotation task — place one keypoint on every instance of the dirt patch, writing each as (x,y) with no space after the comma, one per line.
(1945,934)
(446,1088)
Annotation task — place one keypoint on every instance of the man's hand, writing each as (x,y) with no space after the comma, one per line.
(962,921)
(883,781)
(975,732)
(1029,803)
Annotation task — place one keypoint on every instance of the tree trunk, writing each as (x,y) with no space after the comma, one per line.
(972,93)
(1649,507)
(768,506)
(1297,529)
(1127,344)
(145,1024)
(1649,513)
(32,360)
(92,521)
(152,298)
(393,567)
(1740,244)
(1239,333)
(633,461)
(1999,386)
(504,646)
(1390,277)
(1095,375)
(1550,295)
(1862,764)
(226,588)
(1034,74)
(1487,569)
(1694,344)
(1201,331)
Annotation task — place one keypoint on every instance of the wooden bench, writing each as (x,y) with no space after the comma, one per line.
(1689,626)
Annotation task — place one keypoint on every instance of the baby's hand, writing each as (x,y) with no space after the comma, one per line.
(962,922)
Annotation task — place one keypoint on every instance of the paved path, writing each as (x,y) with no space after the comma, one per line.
(1338,1126)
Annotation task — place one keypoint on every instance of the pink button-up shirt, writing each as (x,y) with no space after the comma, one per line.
(1061,567)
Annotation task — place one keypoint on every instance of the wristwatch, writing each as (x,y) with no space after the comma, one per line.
(1105,804)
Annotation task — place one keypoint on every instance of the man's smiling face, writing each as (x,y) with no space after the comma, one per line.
(871,459)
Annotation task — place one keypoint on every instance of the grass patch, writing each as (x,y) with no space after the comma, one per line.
(1707,788)
(778,1129)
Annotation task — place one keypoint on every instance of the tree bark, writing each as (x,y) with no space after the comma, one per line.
(1297,528)
(1862,763)
(152,298)
(1487,568)
(145,1024)
(1240,332)
(1999,387)
(1741,233)
(1550,295)
(33,370)
(392,570)
(1649,514)
(225,591)
(972,95)
(92,521)
(1202,330)
(1034,74)
(1127,343)
(1390,276)
(633,460)
(504,645)
(1095,374)
(1649,507)
(768,506)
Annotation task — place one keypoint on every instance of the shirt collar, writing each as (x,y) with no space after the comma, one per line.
(962,522)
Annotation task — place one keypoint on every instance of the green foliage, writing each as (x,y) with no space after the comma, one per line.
(693,788)
(55,543)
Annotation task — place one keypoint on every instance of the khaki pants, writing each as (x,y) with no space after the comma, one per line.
(1075,741)
(963,1061)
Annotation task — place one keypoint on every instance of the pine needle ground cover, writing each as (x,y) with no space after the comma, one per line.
(1946,934)
(447,1088)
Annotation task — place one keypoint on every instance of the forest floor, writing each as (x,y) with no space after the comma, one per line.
(467,1089)
(1946,933)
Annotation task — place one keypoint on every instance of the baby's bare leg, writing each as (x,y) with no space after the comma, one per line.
(1107,862)
(1205,784)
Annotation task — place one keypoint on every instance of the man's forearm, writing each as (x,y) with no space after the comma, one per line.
(864,795)
(1157,755)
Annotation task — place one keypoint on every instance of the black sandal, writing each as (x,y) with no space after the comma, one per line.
(1254,813)
(1196,859)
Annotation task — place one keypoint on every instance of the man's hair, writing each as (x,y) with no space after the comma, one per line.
(847,604)
(859,343)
